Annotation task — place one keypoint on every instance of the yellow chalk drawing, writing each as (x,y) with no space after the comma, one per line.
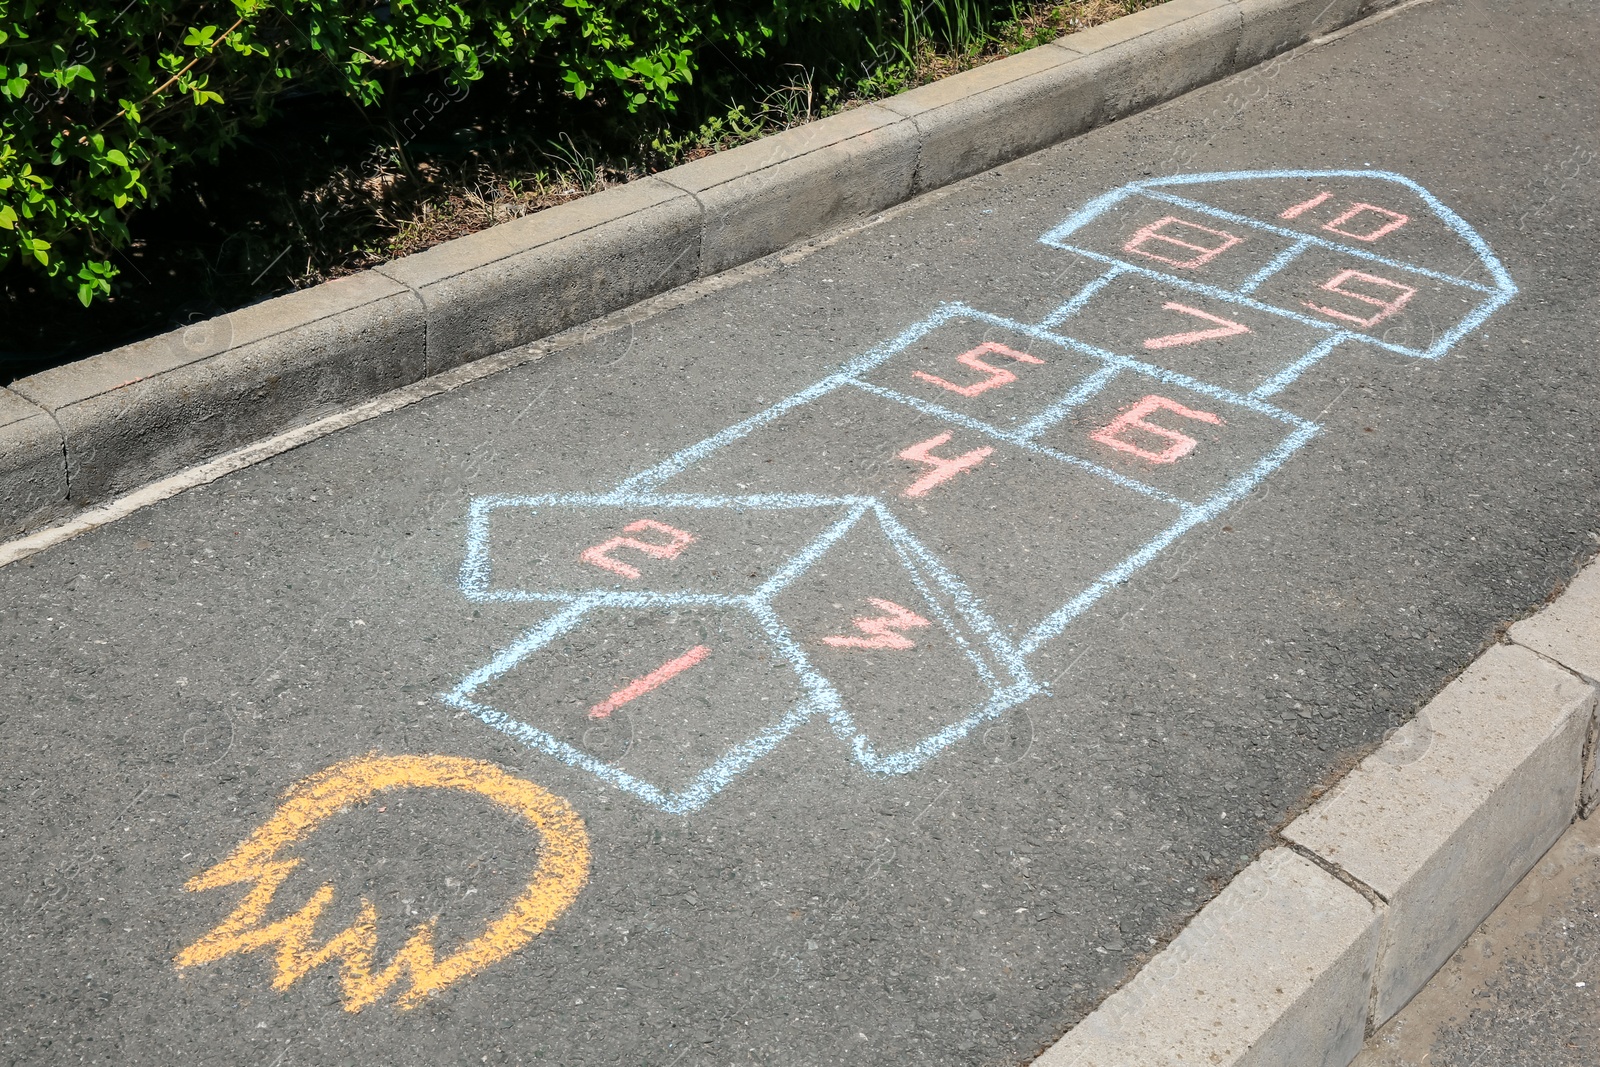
(561,874)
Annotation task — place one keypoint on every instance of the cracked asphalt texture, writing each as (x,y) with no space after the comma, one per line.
(165,678)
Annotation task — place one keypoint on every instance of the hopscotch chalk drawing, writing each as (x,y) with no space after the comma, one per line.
(890,548)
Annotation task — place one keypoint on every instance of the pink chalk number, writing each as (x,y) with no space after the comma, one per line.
(600,555)
(1180,444)
(654,680)
(1398,296)
(1224,328)
(993,376)
(883,631)
(1386,223)
(943,469)
(1157,232)
(1305,205)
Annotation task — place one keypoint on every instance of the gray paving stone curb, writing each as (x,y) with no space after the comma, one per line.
(76,435)
(127,416)
(1273,972)
(33,468)
(1324,939)
(527,279)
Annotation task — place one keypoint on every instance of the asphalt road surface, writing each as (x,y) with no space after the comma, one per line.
(872,659)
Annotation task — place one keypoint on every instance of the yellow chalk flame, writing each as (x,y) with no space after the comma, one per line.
(561,874)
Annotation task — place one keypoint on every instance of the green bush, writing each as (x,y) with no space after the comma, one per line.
(105,98)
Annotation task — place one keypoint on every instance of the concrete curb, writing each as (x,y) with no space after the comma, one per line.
(1321,941)
(154,407)
(79,434)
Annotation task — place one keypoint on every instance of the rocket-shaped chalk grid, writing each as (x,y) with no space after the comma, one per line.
(887,549)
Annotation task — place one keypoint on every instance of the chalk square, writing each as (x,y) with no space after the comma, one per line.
(1414,313)
(1191,443)
(1156,322)
(999,375)
(559,547)
(1153,236)
(905,657)
(579,695)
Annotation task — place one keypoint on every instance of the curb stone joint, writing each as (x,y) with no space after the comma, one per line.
(1321,941)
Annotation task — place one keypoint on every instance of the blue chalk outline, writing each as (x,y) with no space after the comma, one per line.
(1502,290)
(1000,659)
(1302,238)
(933,582)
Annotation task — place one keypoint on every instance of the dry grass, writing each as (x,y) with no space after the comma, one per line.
(456,210)
(1041,24)
(1050,21)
